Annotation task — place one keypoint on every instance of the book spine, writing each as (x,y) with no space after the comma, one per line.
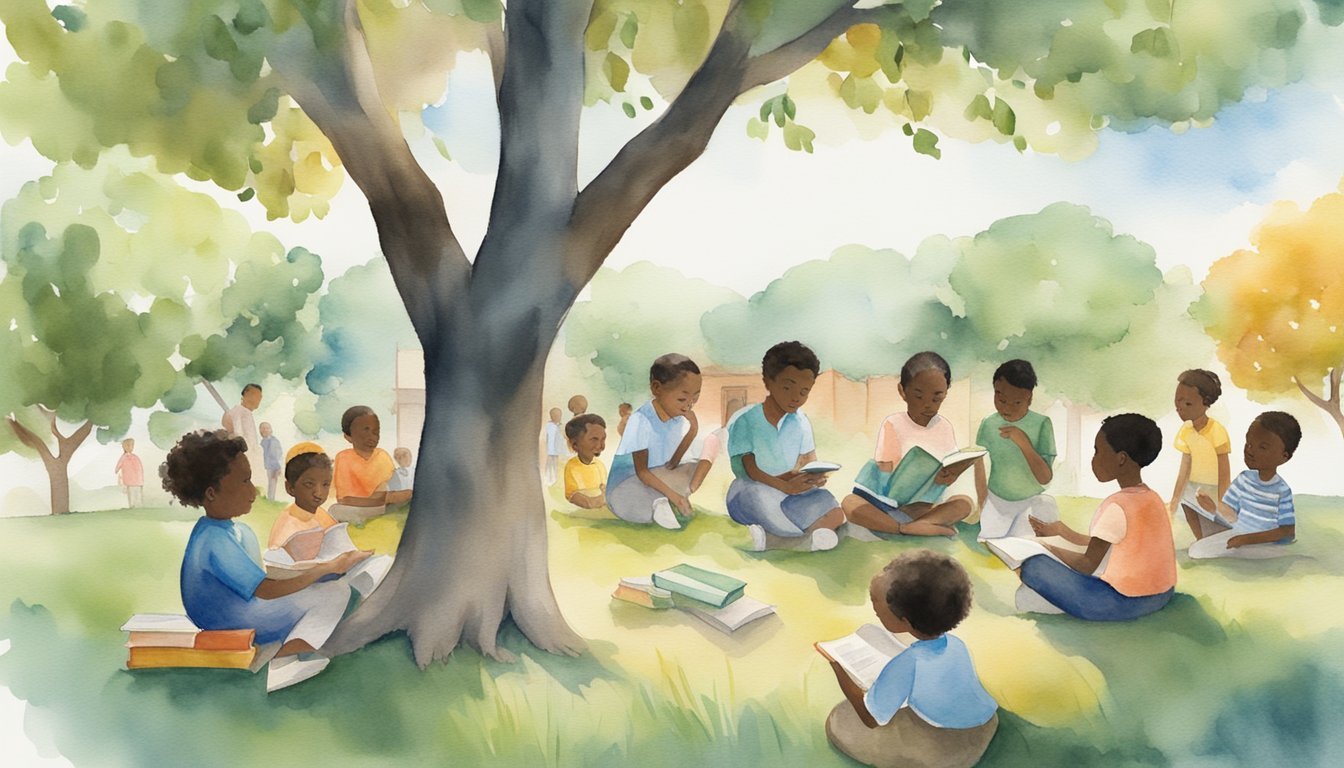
(225,640)
(161,639)
(716,599)
(151,658)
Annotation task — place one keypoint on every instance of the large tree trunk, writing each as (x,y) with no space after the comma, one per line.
(57,463)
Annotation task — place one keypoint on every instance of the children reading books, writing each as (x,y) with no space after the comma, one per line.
(308,481)
(223,586)
(1204,447)
(925,378)
(1021,446)
(1129,533)
(768,444)
(926,706)
(362,470)
(648,481)
(1259,503)
(585,475)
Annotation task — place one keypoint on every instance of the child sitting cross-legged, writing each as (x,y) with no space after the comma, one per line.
(1129,533)
(1259,503)
(223,583)
(585,474)
(927,707)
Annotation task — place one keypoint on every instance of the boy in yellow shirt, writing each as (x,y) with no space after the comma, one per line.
(1204,445)
(585,476)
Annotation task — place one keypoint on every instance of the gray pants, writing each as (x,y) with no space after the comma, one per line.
(632,500)
(1216,546)
(780,514)
(907,741)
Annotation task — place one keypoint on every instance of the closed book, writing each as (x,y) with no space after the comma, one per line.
(205,640)
(707,586)
(641,597)
(150,657)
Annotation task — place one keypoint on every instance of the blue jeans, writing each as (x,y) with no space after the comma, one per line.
(779,513)
(1084,596)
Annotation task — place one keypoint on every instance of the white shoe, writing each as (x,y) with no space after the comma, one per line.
(289,670)
(1029,600)
(824,539)
(663,514)
(757,538)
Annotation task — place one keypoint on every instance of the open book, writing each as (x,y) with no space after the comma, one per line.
(819,467)
(731,617)
(314,546)
(1012,550)
(862,654)
(912,481)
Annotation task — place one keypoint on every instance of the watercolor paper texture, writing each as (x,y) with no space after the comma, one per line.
(461,215)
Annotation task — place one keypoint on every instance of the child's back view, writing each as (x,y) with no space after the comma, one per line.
(927,706)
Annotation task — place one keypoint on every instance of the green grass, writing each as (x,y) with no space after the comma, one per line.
(1243,667)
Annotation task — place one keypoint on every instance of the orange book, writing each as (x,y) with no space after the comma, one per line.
(149,657)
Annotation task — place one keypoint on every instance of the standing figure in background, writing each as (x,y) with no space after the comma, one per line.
(555,446)
(239,421)
(130,473)
(271,458)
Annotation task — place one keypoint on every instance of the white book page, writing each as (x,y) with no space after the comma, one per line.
(863,654)
(335,542)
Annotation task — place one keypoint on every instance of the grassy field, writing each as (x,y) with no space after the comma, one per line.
(1242,668)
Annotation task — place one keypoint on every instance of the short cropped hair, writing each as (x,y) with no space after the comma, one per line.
(789,353)
(576,426)
(198,462)
(352,413)
(670,367)
(1283,425)
(928,589)
(1018,373)
(251,386)
(1134,435)
(921,362)
(1204,382)
(295,467)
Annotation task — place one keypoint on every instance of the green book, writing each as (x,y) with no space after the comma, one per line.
(913,479)
(709,587)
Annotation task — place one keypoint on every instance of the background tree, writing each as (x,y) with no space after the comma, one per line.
(117,295)
(635,315)
(196,88)
(1276,310)
(1088,308)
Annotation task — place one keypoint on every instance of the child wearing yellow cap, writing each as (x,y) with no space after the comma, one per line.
(308,480)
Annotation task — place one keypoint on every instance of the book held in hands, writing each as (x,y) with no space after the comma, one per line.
(819,467)
(862,654)
(1013,550)
(914,480)
(309,548)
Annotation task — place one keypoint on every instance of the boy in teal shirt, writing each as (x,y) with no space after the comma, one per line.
(1021,445)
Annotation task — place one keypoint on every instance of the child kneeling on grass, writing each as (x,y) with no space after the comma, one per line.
(927,707)
(223,583)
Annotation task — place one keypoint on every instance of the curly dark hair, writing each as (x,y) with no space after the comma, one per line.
(1285,426)
(1133,434)
(923,361)
(1206,383)
(295,467)
(575,427)
(928,589)
(786,354)
(669,368)
(199,461)
(1018,373)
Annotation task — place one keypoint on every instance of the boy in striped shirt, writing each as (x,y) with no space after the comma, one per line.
(1259,504)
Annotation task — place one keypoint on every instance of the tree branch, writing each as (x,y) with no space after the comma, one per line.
(30,439)
(326,68)
(68,445)
(1336,374)
(610,203)
(1326,405)
(780,62)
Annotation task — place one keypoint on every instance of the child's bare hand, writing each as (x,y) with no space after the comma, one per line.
(798,483)
(946,476)
(1015,434)
(1042,528)
(1206,501)
(682,504)
(347,560)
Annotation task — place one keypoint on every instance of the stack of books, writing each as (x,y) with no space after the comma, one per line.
(169,640)
(714,598)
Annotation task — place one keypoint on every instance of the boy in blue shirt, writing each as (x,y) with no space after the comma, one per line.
(1258,503)
(1021,445)
(768,443)
(927,706)
(223,583)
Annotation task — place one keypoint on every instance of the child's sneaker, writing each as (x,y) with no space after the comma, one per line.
(824,539)
(1029,600)
(664,515)
(288,670)
(757,537)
